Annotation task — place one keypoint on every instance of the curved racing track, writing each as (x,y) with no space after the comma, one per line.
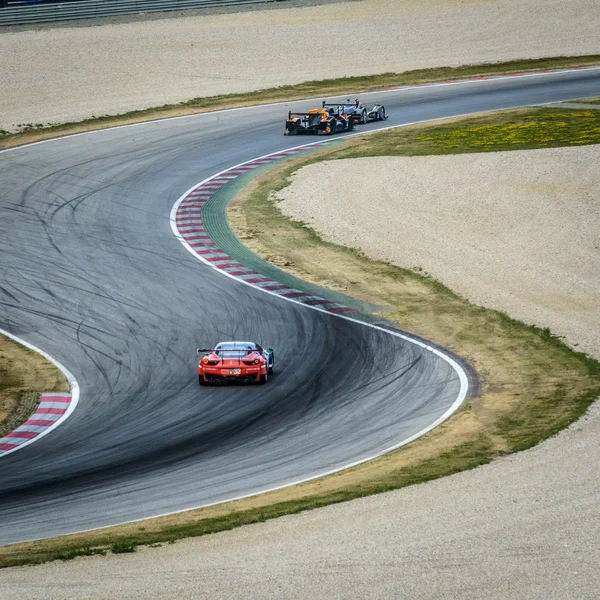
(92,273)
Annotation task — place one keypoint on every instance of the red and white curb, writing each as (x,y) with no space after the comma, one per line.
(188,225)
(53,406)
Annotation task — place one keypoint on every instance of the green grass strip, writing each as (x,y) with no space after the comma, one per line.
(461,458)
(519,129)
(214,215)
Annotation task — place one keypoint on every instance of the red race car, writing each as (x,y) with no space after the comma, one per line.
(235,361)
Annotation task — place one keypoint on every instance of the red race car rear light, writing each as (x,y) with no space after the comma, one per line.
(207,361)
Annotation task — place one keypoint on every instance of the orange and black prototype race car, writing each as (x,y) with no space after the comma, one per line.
(326,121)
(235,361)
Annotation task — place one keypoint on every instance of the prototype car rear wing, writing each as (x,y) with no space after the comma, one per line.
(356,103)
(300,114)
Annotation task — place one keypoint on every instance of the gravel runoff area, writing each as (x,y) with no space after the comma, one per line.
(515,230)
(67,73)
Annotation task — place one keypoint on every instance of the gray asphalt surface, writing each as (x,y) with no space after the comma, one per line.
(92,273)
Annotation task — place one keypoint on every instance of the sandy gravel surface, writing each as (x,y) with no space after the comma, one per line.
(53,75)
(516,231)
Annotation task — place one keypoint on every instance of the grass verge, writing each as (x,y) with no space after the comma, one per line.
(33,132)
(520,404)
(24,374)
(588,101)
(202,522)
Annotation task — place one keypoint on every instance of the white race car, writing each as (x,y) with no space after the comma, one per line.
(359,113)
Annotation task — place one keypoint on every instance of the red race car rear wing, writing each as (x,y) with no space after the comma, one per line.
(215,350)
(242,353)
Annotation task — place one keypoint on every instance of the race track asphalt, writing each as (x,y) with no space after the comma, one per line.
(92,274)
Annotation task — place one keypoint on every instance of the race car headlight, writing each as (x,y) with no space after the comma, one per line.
(205,360)
(256,361)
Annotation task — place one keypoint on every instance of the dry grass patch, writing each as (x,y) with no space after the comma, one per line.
(24,374)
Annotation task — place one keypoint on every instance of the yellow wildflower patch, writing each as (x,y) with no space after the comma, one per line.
(556,127)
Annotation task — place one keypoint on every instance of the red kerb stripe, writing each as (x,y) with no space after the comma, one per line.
(244,272)
(214,250)
(51,398)
(341,309)
(239,171)
(218,258)
(294,294)
(273,288)
(315,301)
(199,246)
(7,446)
(194,236)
